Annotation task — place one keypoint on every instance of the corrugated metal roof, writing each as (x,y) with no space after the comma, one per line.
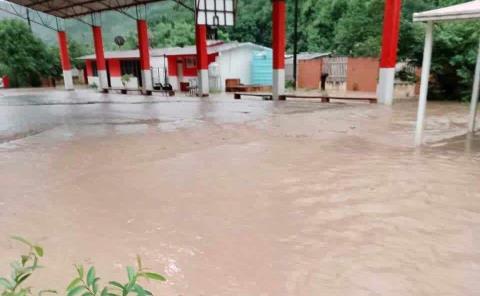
(465,11)
(74,8)
(307,56)
(174,51)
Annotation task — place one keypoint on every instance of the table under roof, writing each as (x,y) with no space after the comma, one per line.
(76,8)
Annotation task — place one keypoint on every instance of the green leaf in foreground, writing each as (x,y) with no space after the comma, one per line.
(4,282)
(104,292)
(38,250)
(22,278)
(75,291)
(74,283)
(153,276)
(131,275)
(140,291)
(116,284)
(95,285)
(139,262)
(47,292)
(25,259)
(79,269)
(22,240)
(90,276)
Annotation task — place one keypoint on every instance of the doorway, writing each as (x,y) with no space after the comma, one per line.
(180,70)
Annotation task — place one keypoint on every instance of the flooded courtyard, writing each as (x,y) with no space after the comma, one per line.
(245,197)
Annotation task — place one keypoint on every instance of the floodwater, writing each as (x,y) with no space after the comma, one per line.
(243,197)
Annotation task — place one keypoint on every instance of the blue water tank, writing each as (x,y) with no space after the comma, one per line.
(262,68)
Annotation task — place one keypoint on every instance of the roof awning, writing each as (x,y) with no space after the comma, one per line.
(465,11)
(75,8)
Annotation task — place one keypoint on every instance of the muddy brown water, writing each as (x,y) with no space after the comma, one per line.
(242,197)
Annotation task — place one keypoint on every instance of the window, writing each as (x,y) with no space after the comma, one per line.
(130,67)
(191,62)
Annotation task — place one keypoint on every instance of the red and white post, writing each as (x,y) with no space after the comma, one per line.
(278,40)
(144,48)
(100,57)
(65,60)
(388,60)
(202,60)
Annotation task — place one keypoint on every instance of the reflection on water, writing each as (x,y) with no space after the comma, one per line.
(250,197)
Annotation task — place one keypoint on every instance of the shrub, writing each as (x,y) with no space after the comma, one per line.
(84,284)
(21,270)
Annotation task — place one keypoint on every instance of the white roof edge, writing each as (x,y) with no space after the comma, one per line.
(159,52)
(237,44)
(420,18)
(464,11)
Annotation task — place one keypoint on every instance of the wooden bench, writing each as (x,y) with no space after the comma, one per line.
(139,90)
(327,99)
(238,96)
(124,90)
(168,93)
(324,99)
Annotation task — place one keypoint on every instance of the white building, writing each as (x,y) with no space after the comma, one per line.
(231,60)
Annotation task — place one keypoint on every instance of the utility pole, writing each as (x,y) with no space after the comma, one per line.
(28,19)
(295,45)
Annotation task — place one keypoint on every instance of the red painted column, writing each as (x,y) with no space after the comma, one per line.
(6,81)
(100,57)
(202,59)
(388,59)
(144,48)
(278,45)
(65,60)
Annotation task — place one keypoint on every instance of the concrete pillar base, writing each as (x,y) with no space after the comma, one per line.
(278,87)
(103,80)
(68,79)
(203,83)
(147,81)
(386,86)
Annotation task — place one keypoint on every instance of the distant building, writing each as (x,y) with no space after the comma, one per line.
(344,73)
(174,65)
(303,56)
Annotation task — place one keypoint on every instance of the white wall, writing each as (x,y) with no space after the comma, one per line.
(116,82)
(158,69)
(236,64)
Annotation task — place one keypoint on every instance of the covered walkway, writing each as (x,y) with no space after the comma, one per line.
(223,11)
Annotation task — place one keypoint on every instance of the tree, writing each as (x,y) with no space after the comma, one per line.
(24,56)
(76,50)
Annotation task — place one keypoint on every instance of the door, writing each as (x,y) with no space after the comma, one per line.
(132,67)
(180,70)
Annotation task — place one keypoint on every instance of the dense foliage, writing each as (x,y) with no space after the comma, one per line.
(344,27)
(21,271)
(84,283)
(24,57)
